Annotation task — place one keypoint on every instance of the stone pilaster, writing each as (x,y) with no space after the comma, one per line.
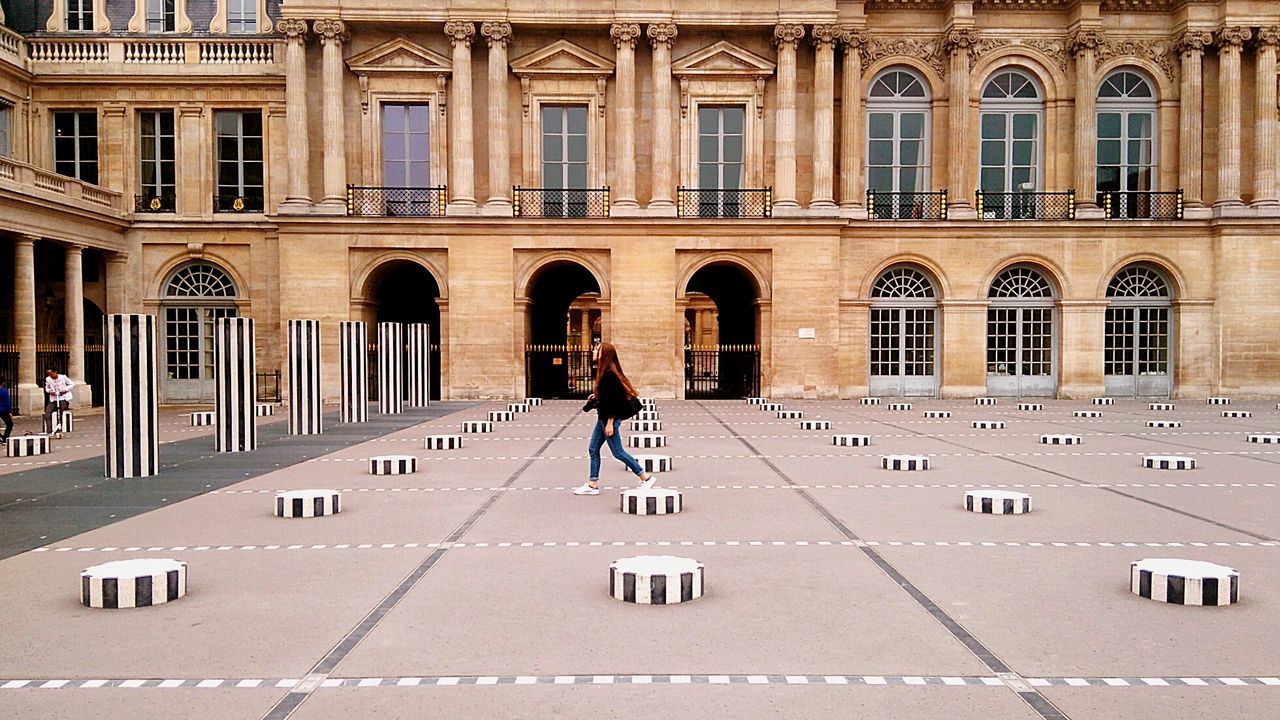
(787,38)
(851,175)
(661,195)
(24,323)
(498,36)
(117,283)
(1231,40)
(295,95)
(824,101)
(332,34)
(624,39)
(73,320)
(1190,116)
(1265,122)
(462,182)
(1084,45)
(958,43)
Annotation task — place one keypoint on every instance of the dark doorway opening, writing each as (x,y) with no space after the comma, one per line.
(402,291)
(564,324)
(722,350)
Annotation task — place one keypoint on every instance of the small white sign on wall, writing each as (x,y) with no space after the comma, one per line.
(808,334)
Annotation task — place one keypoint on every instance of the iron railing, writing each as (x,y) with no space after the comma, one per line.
(721,371)
(907,205)
(558,371)
(745,203)
(152,203)
(560,203)
(269,386)
(1026,205)
(1141,205)
(396,201)
(374,386)
(237,203)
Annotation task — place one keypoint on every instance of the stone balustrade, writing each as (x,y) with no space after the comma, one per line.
(31,180)
(52,54)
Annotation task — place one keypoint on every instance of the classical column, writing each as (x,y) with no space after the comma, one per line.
(24,323)
(462,181)
(624,39)
(295,97)
(497,35)
(1266,126)
(117,283)
(332,34)
(851,192)
(824,108)
(1230,42)
(958,42)
(1190,119)
(73,313)
(662,36)
(1084,44)
(787,38)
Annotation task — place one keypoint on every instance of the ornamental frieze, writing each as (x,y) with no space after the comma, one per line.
(1158,51)
(927,49)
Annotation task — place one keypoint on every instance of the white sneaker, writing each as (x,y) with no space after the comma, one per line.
(586,489)
(646,484)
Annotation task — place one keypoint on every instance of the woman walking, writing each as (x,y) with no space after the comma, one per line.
(612,398)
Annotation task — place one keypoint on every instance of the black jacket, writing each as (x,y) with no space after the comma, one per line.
(612,400)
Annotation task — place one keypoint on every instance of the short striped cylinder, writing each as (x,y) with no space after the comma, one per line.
(1218,401)
(997,502)
(815,424)
(648,403)
(1060,439)
(655,580)
(1104,401)
(1184,582)
(987,424)
(417,363)
(899,406)
(390,368)
(653,463)
(443,442)
(305,398)
(235,385)
(770,407)
(904,462)
(140,582)
(1236,414)
(63,421)
(869,401)
(393,465)
(1160,406)
(644,425)
(757,400)
(353,367)
(647,415)
(1030,407)
(937,413)
(1164,423)
(651,501)
(985,401)
(201,419)
(790,414)
(1087,413)
(851,440)
(477,426)
(501,416)
(29,445)
(646,440)
(131,407)
(533,402)
(1168,462)
(307,503)
(517,407)
(1264,439)
(264,410)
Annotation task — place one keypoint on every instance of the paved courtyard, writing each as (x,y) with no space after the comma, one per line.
(478,587)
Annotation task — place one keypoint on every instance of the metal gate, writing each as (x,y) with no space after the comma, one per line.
(902,351)
(558,371)
(721,371)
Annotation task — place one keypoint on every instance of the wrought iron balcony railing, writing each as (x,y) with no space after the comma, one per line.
(907,205)
(237,203)
(396,201)
(560,202)
(744,203)
(1141,205)
(1026,205)
(150,203)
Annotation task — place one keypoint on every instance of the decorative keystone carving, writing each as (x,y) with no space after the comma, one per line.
(496,33)
(460,31)
(1085,40)
(293,28)
(1233,37)
(1194,41)
(960,39)
(330,30)
(624,34)
(662,33)
(788,35)
(827,34)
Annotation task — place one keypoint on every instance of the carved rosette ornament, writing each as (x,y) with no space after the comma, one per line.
(330,30)
(624,34)
(497,34)
(1234,37)
(460,32)
(854,37)
(662,34)
(1193,41)
(826,34)
(292,28)
(788,35)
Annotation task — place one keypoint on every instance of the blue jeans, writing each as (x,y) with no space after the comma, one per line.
(615,446)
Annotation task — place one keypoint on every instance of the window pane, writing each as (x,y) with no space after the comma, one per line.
(1108,178)
(1024,126)
(419,117)
(393,147)
(226,123)
(253,149)
(420,174)
(551,148)
(1108,125)
(708,149)
(1022,179)
(253,174)
(909,152)
(992,152)
(880,125)
(993,179)
(992,126)
(708,121)
(733,117)
(577,148)
(1140,152)
(578,120)
(733,148)
(552,175)
(1108,152)
(880,179)
(1139,125)
(393,118)
(552,119)
(1023,152)
(252,123)
(907,180)
(912,125)
(578,175)
(732,176)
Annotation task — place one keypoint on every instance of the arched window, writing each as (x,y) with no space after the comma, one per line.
(1137,343)
(1126,141)
(195,296)
(902,282)
(898,132)
(1012,110)
(904,323)
(200,280)
(1020,334)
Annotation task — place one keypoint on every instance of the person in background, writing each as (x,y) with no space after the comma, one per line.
(612,397)
(6,414)
(58,388)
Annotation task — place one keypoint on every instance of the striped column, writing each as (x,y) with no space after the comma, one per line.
(305,400)
(131,406)
(390,368)
(418,364)
(235,385)
(353,344)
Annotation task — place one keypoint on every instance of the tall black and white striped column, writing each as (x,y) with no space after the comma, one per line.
(132,404)
(390,368)
(305,399)
(235,385)
(418,363)
(353,348)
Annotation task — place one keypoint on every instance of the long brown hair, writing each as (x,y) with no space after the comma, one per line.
(609,362)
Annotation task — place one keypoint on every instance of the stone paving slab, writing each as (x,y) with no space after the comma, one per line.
(124,703)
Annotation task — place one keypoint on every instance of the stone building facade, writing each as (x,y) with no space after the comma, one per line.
(816,198)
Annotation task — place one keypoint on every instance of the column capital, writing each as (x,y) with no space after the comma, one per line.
(1268,37)
(662,34)
(958,39)
(330,30)
(1082,40)
(1193,41)
(1232,36)
(827,34)
(460,32)
(496,33)
(855,38)
(624,34)
(293,29)
(788,35)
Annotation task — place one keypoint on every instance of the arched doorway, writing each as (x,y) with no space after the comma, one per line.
(564,321)
(194,297)
(1138,337)
(722,305)
(402,291)
(1021,347)
(904,326)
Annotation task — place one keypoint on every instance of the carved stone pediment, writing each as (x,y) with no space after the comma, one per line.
(723,59)
(399,56)
(562,58)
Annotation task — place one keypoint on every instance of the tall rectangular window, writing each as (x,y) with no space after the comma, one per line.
(720,147)
(1010,154)
(157,171)
(80,15)
(406,156)
(75,144)
(896,159)
(1125,151)
(239,161)
(242,16)
(6,130)
(564,160)
(161,15)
